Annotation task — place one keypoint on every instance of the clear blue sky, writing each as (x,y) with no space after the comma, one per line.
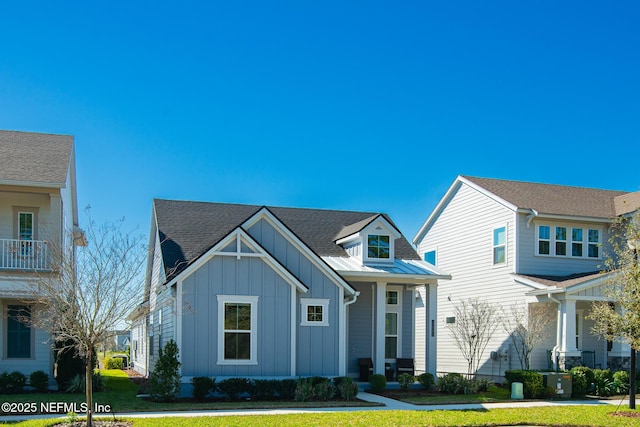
(368,105)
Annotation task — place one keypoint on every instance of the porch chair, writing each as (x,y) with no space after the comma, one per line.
(404,366)
(366,368)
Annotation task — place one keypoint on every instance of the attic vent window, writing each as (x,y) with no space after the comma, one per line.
(378,246)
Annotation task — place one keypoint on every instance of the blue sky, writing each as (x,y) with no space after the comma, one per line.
(373,106)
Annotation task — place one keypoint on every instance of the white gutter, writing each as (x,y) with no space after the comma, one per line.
(533,214)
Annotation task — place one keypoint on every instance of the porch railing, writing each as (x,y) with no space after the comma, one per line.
(24,254)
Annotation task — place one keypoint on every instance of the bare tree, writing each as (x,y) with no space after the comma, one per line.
(90,290)
(621,321)
(528,326)
(475,323)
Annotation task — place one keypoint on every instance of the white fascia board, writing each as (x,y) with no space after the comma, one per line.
(533,284)
(434,214)
(416,279)
(238,232)
(315,259)
(598,281)
(489,194)
(381,220)
(540,216)
(33,183)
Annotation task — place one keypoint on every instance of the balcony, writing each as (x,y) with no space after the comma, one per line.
(24,254)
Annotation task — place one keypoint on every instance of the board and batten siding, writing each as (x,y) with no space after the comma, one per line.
(248,276)
(463,236)
(360,327)
(530,263)
(317,346)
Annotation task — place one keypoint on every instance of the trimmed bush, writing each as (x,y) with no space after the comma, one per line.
(265,389)
(426,380)
(324,390)
(304,390)
(11,383)
(347,389)
(39,380)
(532,382)
(603,381)
(378,383)
(581,380)
(405,380)
(454,383)
(113,363)
(621,382)
(202,386)
(286,389)
(233,388)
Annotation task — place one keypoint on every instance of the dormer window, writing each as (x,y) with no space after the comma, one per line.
(378,246)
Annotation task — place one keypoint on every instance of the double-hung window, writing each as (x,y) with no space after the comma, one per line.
(561,240)
(565,241)
(499,245)
(237,329)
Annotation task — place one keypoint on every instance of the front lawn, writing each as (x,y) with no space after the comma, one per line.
(540,416)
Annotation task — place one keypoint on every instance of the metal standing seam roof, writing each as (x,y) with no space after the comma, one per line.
(555,199)
(399,266)
(34,158)
(189,229)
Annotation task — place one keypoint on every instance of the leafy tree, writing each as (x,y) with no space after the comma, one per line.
(475,323)
(88,291)
(621,322)
(528,325)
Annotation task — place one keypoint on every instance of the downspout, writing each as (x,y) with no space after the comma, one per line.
(346,323)
(559,329)
(533,214)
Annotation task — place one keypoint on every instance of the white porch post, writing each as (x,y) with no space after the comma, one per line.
(569,335)
(381,294)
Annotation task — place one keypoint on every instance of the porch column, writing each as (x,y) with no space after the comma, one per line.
(569,333)
(381,305)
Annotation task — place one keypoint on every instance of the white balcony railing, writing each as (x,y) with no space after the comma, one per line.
(24,254)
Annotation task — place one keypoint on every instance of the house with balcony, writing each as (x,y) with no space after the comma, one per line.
(275,292)
(38,210)
(518,244)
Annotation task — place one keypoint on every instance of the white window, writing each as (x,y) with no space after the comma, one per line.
(575,242)
(314,312)
(499,245)
(391,336)
(392,297)
(378,246)
(237,330)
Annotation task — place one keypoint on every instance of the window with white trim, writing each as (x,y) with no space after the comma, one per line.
(499,245)
(564,241)
(430,257)
(237,329)
(391,335)
(18,332)
(314,312)
(378,246)
(392,297)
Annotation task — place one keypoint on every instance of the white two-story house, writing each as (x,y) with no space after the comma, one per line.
(38,208)
(516,244)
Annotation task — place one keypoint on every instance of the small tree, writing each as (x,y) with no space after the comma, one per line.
(165,378)
(623,287)
(475,323)
(528,325)
(88,290)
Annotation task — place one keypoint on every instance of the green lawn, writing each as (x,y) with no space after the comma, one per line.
(541,416)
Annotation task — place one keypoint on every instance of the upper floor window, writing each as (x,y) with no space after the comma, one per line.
(378,246)
(568,241)
(430,257)
(500,245)
(25,225)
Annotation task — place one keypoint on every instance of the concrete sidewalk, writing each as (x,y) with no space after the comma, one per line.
(386,405)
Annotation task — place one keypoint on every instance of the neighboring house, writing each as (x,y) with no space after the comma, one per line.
(257,291)
(38,207)
(519,243)
(121,339)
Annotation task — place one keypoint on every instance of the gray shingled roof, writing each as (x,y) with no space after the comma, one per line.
(553,199)
(563,281)
(34,158)
(189,229)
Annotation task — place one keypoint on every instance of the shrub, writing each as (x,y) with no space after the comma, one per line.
(482,384)
(621,382)
(164,382)
(113,363)
(265,389)
(286,389)
(405,380)
(454,383)
(39,380)
(77,383)
(347,389)
(581,380)
(532,382)
(13,382)
(233,388)
(304,390)
(324,390)
(426,380)
(603,381)
(378,383)
(68,363)
(202,386)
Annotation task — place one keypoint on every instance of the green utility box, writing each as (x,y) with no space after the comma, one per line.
(561,383)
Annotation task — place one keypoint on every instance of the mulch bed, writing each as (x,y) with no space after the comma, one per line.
(627,414)
(96,423)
